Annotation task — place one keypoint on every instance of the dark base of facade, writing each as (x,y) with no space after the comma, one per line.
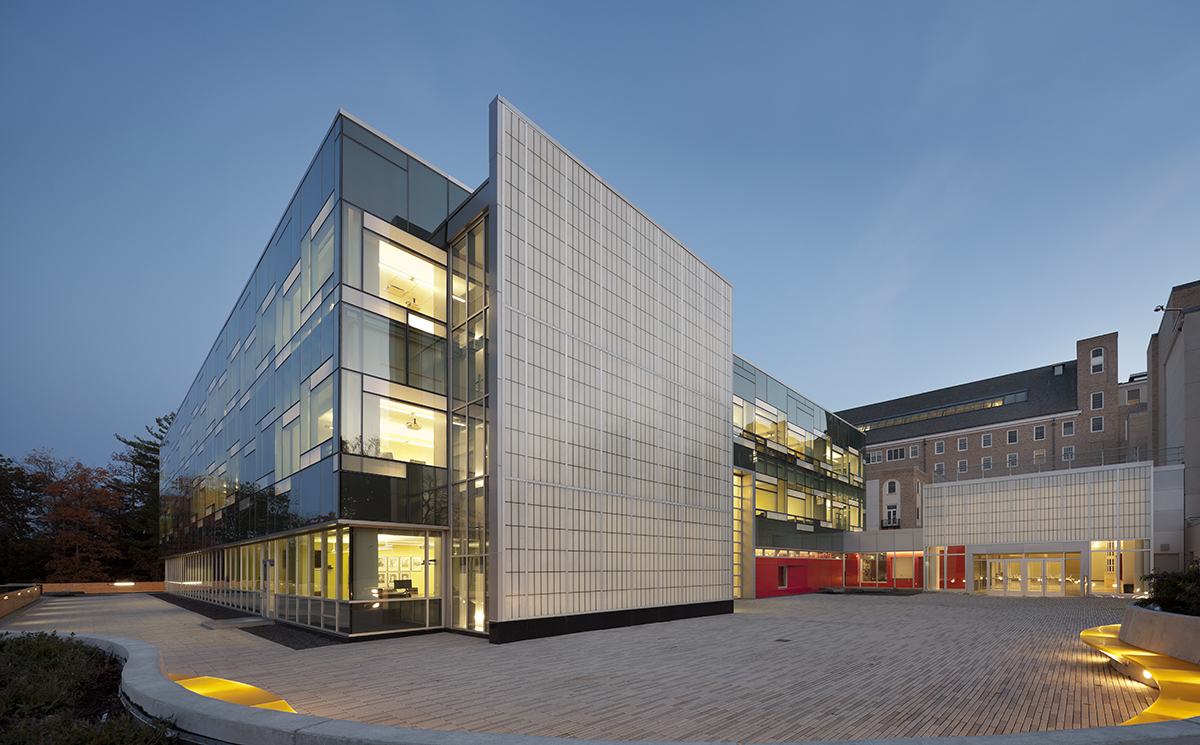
(536,628)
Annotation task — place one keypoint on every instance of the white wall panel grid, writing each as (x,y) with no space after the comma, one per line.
(616,414)
(1088,504)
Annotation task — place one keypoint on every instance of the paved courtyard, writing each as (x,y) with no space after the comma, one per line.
(779,669)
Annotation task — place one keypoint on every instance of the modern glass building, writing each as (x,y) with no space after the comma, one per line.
(797,484)
(503,410)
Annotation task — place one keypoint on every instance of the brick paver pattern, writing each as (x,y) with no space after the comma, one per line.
(779,669)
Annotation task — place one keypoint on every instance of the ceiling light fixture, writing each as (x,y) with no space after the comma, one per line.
(406,275)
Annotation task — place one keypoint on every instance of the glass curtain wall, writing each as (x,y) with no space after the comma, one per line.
(818,480)
(326,399)
(469,430)
(345,580)
(248,453)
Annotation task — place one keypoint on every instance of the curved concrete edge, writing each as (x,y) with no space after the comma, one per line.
(1171,634)
(144,682)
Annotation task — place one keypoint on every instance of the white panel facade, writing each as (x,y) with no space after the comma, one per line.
(613,415)
(1089,504)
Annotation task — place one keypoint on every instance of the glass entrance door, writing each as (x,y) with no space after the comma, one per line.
(1036,577)
(1054,578)
(1033,571)
(995,580)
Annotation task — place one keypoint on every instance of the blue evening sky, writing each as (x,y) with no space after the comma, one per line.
(905,196)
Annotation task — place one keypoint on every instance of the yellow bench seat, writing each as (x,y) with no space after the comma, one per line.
(1178,681)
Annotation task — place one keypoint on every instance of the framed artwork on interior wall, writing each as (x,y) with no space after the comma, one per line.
(391,579)
(405,575)
(382,563)
(417,563)
(382,580)
(405,564)
(393,564)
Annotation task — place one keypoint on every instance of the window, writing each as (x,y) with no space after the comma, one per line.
(1039,456)
(986,441)
(1012,437)
(939,468)
(395,430)
(402,277)
(1058,369)
(962,444)
(875,457)
(1133,396)
(1012,460)
(939,447)
(986,463)
(1098,400)
(891,487)
(1068,429)
(893,515)
(1097,424)
(782,576)
(962,466)
(1069,452)
(1039,432)
(1097,360)
(895,454)
(914,451)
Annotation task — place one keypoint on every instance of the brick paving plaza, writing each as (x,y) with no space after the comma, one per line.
(781,669)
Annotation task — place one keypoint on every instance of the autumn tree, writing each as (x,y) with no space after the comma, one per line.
(24,545)
(79,509)
(135,478)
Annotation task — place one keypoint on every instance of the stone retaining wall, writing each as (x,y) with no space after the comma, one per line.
(14,599)
(1166,633)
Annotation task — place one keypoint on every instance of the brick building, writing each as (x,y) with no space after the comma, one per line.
(1074,413)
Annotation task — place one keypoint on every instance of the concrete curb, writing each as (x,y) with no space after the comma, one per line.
(144,682)
(1171,634)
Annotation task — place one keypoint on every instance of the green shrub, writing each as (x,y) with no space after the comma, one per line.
(60,691)
(1175,592)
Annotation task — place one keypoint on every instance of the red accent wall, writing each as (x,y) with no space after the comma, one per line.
(853,571)
(956,568)
(804,575)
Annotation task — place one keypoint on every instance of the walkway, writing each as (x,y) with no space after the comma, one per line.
(780,669)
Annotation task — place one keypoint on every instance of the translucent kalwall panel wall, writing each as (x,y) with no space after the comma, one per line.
(1094,504)
(613,399)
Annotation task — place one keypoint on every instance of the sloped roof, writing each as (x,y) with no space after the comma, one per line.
(1047,393)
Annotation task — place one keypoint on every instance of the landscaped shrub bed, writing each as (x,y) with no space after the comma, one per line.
(59,691)
(1175,592)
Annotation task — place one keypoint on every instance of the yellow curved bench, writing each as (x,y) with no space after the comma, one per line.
(1178,681)
(231,691)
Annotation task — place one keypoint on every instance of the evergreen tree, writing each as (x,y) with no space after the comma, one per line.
(24,545)
(135,475)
